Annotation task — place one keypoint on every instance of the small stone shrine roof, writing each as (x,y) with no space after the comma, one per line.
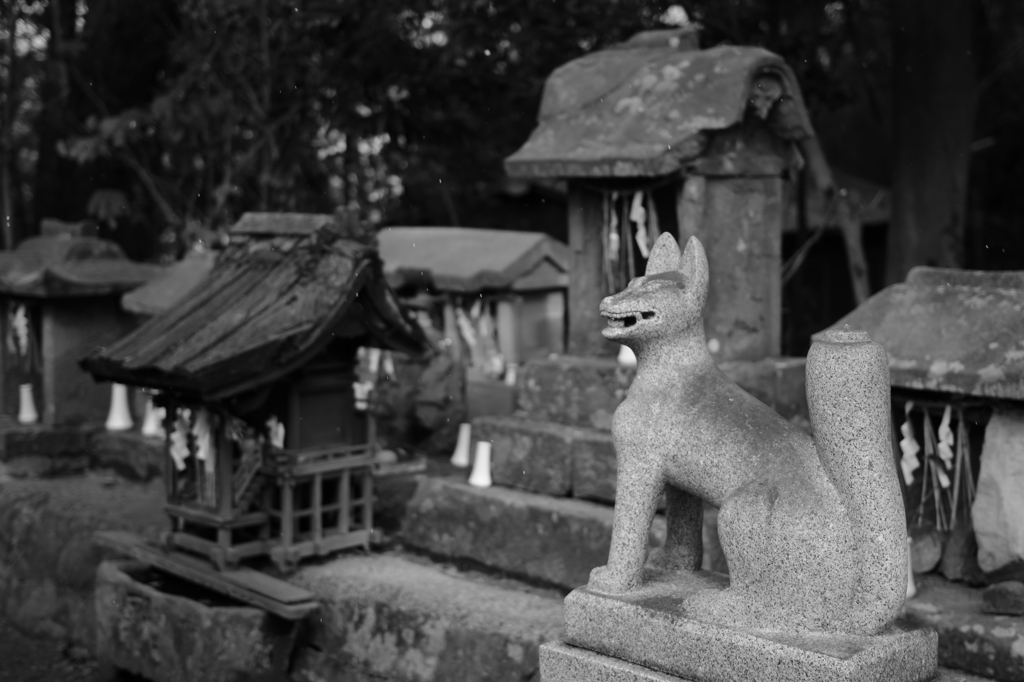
(458,259)
(60,266)
(644,107)
(277,295)
(179,280)
(953,331)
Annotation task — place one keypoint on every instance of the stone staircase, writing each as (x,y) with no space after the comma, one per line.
(548,517)
(478,585)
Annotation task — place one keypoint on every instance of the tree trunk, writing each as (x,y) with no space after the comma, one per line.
(7,180)
(60,190)
(933,105)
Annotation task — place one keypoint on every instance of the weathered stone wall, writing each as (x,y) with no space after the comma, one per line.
(47,559)
(578,391)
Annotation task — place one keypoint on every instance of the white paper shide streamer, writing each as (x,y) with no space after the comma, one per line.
(909,447)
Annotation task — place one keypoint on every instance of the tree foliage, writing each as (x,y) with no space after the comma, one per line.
(177,115)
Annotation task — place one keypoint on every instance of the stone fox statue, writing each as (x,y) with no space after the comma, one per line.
(814,532)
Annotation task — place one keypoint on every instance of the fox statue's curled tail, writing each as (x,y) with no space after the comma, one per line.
(813,531)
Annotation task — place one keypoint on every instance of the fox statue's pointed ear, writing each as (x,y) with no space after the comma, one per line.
(664,256)
(694,264)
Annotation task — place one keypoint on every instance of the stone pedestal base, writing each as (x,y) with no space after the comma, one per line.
(560,662)
(649,628)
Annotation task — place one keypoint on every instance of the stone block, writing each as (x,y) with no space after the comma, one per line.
(594,468)
(969,640)
(47,562)
(779,383)
(648,627)
(549,458)
(45,451)
(584,391)
(40,466)
(486,397)
(46,441)
(128,453)
(1006,598)
(551,540)
(999,503)
(528,454)
(960,556)
(144,627)
(395,618)
(560,662)
(576,391)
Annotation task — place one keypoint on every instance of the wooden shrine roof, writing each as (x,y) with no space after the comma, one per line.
(457,259)
(644,108)
(271,302)
(951,331)
(60,266)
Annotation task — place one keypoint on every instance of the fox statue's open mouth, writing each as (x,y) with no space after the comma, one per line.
(627,319)
(620,321)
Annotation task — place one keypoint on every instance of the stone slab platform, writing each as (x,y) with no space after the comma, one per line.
(550,540)
(648,627)
(549,458)
(400,618)
(560,662)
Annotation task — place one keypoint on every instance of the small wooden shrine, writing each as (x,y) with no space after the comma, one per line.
(657,135)
(517,280)
(268,451)
(60,295)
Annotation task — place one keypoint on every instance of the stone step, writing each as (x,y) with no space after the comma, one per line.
(401,618)
(550,540)
(584,391)
(549,458)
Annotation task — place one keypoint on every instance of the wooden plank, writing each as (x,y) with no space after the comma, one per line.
(244,584)
(331,466)
(857,262)
(210,518)
(317,507)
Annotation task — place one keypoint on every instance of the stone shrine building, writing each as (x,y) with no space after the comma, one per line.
(61,296)
(955,341)
(657,135)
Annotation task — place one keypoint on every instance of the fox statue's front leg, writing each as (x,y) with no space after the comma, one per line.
(636,500)
(684,541)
